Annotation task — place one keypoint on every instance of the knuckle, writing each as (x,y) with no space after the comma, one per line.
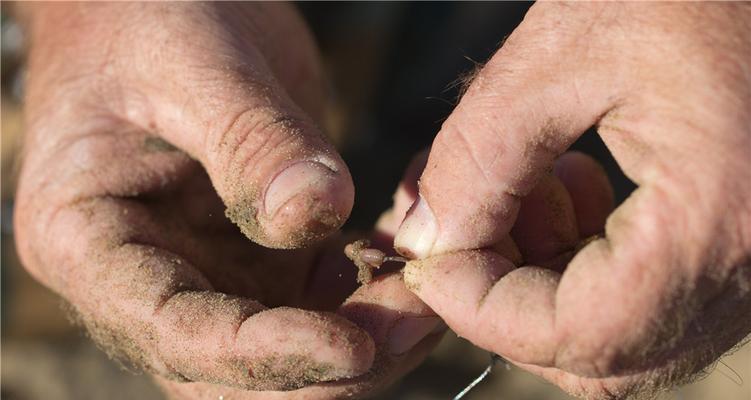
(255,136)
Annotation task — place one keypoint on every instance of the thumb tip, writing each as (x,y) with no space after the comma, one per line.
(304,203)
(418,233)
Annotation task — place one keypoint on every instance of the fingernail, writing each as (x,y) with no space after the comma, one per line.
(409,331)
(298,177)
(418,231)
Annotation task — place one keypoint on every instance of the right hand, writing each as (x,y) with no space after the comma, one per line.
(666,290)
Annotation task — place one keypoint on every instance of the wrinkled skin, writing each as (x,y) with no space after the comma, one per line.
(146,121)
(667,289)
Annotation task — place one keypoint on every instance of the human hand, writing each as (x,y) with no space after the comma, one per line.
(402,327)
(667,290)
(146,121)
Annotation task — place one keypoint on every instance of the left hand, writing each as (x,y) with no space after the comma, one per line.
(403,329)
(144,123)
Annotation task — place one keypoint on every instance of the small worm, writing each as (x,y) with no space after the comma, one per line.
(366,259)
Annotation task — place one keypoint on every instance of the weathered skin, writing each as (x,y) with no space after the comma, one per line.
(667,290)
(145,122)
(141,135)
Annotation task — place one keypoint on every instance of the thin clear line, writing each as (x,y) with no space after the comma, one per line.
(479,379)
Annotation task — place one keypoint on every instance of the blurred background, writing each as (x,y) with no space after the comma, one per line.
(395,70)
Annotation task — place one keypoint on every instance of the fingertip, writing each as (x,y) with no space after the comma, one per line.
(412,173)
(297,179)
(484,298)
(305,202)
(418,233)
(546,225)
(321,203)
(395,318)
(404,196)
(590,190)
(507,248)
(290,348)
(454,284)
(407,191)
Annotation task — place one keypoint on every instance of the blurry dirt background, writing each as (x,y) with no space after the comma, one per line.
(391,67)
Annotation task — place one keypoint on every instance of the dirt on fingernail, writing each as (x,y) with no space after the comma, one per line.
(321,221)
(288,372)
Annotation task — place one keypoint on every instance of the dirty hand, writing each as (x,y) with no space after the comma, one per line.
(667,289)
(144,123)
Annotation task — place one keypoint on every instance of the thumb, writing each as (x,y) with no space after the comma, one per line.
(520,112)
(281,181)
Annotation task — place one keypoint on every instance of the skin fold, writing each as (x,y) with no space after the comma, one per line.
(665,291)
(177,191)
(140,138)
